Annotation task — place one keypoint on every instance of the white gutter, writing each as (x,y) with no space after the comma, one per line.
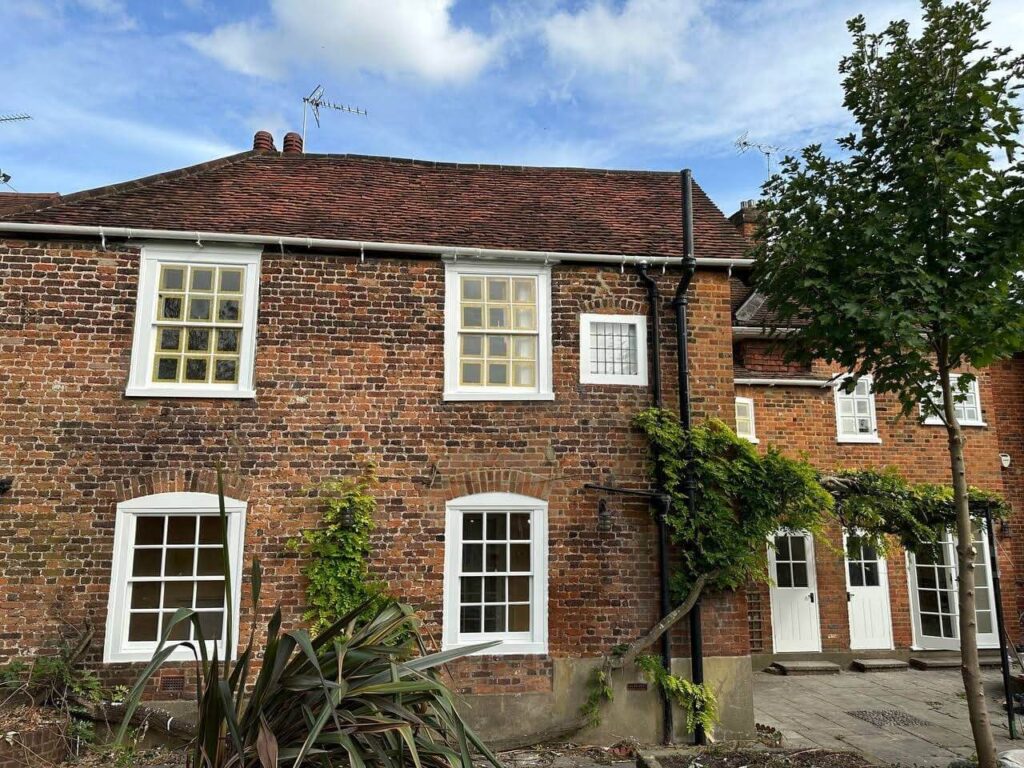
(783,382)
(362,246)
(748,332)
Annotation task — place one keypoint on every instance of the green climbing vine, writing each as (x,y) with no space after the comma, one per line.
(698,702)
(338,578)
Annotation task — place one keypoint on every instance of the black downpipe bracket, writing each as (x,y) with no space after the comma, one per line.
(662,501)
(679,303)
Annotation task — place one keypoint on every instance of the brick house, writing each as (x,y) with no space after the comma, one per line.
(481,335)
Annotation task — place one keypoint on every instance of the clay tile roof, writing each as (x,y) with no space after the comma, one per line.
(10,202)
(357,197)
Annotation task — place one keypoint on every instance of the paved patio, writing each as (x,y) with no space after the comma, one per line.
(930,729)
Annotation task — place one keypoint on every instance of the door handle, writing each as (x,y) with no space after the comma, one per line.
(811,597)
(849,596)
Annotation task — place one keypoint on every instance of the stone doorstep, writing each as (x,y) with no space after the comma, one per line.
(805,668)
(878,665)
(950,662)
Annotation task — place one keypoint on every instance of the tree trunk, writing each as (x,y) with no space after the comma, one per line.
(970,668)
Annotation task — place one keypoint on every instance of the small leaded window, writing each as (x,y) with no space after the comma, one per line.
(613,349)
(967,406)
(745,419)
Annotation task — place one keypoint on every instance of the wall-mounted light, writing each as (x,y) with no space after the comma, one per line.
(604,515)
(5,484)
(1004,528)
(1004,459)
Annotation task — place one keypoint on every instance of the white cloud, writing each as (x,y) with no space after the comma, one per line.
(399,38)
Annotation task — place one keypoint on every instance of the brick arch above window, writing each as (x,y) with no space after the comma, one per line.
(183,481)
(496,481)
(612,305)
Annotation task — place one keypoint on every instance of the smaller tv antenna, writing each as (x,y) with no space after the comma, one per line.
(14,118)
(315,101)
(5,179)
(744,144)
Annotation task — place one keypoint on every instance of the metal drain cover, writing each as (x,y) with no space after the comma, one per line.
(884,717)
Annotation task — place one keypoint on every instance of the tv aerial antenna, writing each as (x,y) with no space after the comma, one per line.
(744,144)
(315,101)
(5,178)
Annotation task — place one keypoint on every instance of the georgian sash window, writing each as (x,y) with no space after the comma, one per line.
(496,573)
(968,411)
(195,325)
(855,413)
(497,332)
(168,555)
(745,419)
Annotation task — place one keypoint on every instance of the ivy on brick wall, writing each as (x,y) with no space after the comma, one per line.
(338,577)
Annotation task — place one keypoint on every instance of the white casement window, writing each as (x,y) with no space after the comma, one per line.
(745,419)
(495,575)
(195,322)
(497,332)
(855,413)
(168,555)
(613,349)
(968,412)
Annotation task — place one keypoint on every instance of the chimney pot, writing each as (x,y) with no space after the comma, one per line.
(263,141)
(292,143)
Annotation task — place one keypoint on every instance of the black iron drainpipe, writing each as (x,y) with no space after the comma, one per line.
(662,500)
(679,303)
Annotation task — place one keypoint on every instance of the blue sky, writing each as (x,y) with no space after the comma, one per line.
(120,89)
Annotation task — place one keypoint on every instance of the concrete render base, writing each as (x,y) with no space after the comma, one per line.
(845,659)
(632,714)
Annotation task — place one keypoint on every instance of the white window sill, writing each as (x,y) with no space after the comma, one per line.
(938,423)
(753,440)
(498,394)
(868,439)
(145,654)
(614,381)
(233,394)
(507,648)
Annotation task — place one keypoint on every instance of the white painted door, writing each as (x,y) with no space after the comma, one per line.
(933,594)
(867,594)
(794,599)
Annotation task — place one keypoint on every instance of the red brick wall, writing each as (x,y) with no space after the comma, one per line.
(348,371)
(801,421)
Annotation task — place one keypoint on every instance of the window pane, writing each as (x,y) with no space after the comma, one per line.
(524,347)
(523,374)
(494,589)
(472,373)
(229,310)
(800,575)
(211,562)
(496,526)
(472,345)
(202,279)
(519,588)
(497,346)
(178,594)
(469,619)
(494,618)
(181,631)
(210,529)
(166,369)
(525,318)
(856,575)
(170,307)
(181,530)
(172,278)
(227,340)
(142,627)
(523,291)
(472,591)
(146,594)
(209,594)
(497,317)
(170,339)
(225,370)
(929,600)
(783,575)
(871,574)
(147,562)
(930,625)
(947,626)
(149,530)
(519,524)
(782,547)
(497,374)
(519,618)
(496,557)
(198,340)
(199,308)
(473,526)
(497,289)
(212,624)
(520,556)
(195,369)
(472,316)
(230,280)
(797,547)
(178,562)
(472,558)
(984,622)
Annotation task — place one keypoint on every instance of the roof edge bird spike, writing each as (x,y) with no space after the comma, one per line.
(315,101)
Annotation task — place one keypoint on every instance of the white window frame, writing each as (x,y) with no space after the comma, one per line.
(838,395)
(752,437)
(533,642)
(973,388)
(140,377)
(453,390)
(589,377)
(116,646)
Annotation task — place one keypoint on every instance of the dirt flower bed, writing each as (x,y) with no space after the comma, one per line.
(723,757)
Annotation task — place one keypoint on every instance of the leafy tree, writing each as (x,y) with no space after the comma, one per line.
(901,257)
